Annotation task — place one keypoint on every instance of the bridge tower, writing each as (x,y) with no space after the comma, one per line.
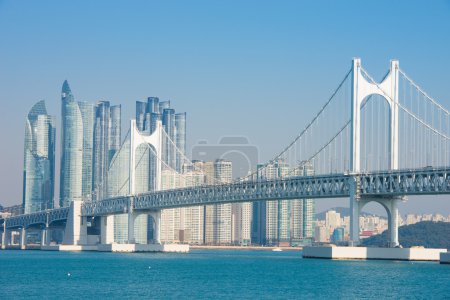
(154,140)
(361,89)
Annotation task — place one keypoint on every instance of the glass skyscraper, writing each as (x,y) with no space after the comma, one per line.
(71,182)
(87,115)
(106,140)
(39,160)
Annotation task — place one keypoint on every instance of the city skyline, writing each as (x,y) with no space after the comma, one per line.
(225,149)
(300,74)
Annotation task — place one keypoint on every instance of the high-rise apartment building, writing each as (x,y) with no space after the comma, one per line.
(218,216)
(283,222)
(39,160)
(302,215)
(107,134)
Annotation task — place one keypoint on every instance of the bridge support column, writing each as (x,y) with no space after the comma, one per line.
(44,236)
(354,213)
(157,229)
(391,206)
(76,227)
(107,230)
(354,222)
(6,235)
(131,218)
(23,238)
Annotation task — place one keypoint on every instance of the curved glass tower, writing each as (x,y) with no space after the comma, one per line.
(39,160)
(71,148)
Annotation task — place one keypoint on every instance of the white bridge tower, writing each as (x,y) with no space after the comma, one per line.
(361,90)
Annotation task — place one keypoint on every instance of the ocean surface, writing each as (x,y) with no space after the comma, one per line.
(214,274)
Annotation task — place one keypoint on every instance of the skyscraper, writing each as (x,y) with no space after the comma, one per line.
(180,139)
(283,222)
(39,160)
(106,143)
(71,148)
(241,220)
(272,219)
(302,216)
(87,116)
(218,216)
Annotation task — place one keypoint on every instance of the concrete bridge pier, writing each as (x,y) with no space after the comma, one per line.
(391,207)
(6,238)
(107,229)
(76,226)
(45,236)
(23,239)
(131,220)
(157,227)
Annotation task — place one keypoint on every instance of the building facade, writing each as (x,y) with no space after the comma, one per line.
(71,167)
(39,160)
(283,222)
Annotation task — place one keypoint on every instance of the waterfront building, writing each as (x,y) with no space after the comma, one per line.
(221,213)
(39,160)
(338,235)
(180,139)
(87,117)
(107,138)
(71,167)
(283,222)
(273,218)
(321,234)
(241,221)
(302,215)
(333,220)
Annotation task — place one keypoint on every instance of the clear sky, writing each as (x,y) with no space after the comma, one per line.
(260,69)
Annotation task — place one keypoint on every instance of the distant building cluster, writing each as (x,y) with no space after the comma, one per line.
(335,229)
(412,218)
(91,140)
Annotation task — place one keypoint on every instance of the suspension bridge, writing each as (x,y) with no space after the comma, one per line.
(370,141)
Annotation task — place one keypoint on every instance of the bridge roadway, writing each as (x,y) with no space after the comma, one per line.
(387,184)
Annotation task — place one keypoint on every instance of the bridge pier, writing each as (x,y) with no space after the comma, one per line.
(76,227)
(391,206)
(23,239)
(44,236)
(157,230)
(131,220)
(6,237)
(107,229)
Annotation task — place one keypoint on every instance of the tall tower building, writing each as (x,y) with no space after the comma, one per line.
(168,122)
(241,221)
(39,160)
(218,216)
(272,219)
(302,216)
(107,134)
(180,139)
(87,116)
(71,148)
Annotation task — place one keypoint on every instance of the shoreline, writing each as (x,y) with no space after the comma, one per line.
(259,248)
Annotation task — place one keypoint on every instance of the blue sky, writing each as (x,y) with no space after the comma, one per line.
(255,68)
